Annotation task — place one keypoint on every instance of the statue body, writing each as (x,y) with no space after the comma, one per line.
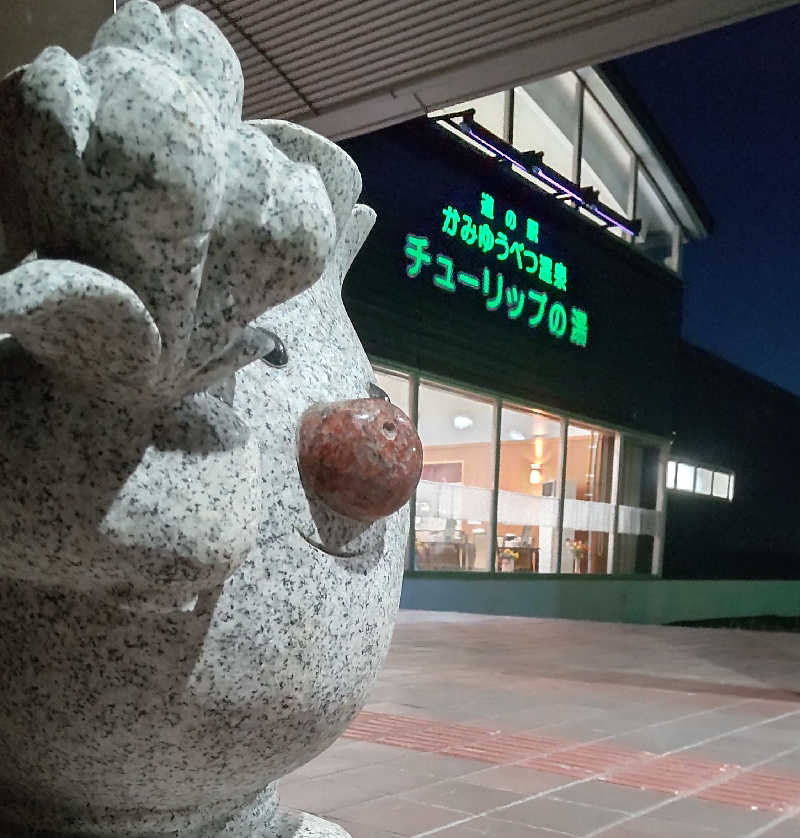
(182,622)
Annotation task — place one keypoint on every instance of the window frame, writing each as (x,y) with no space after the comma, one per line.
(416,378)
(638,166)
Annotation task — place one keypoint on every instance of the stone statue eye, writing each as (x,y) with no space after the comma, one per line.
(277,356)
(376,392)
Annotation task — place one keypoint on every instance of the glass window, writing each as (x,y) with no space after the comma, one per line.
(607,162)
(655,239)
(397,387)
(454,512)
(702,481)
(545,118)
(720,485)
(528,497)
(685,477)
(637,519)
(455,494)
(587,496)
(671,474)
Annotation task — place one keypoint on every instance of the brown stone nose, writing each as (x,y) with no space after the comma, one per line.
(362,457)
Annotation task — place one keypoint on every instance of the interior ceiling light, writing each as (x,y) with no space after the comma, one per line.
(461,423)
(515,434)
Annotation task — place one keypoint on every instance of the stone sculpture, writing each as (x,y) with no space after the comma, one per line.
(185,615)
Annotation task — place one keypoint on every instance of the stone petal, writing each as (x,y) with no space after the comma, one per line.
(189,42)
(79,321)
(338,170)
(138,25)
(46,109)
(355,234)
(210,59)
(119,160)
(154,150)
(152,188)
(274,234)
(54,87)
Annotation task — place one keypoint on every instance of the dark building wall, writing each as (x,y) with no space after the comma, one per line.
(728,418)
(410,173)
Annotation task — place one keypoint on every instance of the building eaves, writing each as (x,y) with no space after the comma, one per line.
(637,110)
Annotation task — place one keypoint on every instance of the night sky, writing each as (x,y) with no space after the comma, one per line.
(728,101)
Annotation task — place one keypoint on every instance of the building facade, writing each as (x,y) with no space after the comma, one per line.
(520,297)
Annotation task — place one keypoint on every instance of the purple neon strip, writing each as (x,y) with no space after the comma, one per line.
(554,183)
(613,221)
(559,186)
(487,144)
(539,172)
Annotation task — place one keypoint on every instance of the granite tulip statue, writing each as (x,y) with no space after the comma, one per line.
(202,515)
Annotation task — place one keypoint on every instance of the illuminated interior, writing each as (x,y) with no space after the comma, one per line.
(498,492)
(700,480)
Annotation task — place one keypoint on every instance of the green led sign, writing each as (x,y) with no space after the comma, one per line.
(520,302)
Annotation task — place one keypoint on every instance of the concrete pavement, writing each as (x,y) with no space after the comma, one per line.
(526,728)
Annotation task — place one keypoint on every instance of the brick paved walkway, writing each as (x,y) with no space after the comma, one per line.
(487,726)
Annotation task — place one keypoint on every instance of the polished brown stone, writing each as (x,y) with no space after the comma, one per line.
(362,457)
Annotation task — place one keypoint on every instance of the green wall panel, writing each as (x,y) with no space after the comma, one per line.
(611,599)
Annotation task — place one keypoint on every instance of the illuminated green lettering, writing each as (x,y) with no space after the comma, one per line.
(417,252)
(501,240)
(468,279)
(485,238)
(515,302)
(478,234)
(545,269)
(579,327)
(539,298)
(451,219)
(444,280)
(560,277)
(469,232)
(557,320)
(494,303)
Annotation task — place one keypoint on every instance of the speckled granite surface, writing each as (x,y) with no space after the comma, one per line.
(181,623)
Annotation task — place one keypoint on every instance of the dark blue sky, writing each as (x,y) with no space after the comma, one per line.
(729,103)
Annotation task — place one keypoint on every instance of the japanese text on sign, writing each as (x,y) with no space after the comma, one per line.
(533,306)
(489,239)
